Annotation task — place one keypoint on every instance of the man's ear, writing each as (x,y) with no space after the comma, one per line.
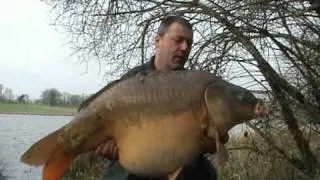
(156,41)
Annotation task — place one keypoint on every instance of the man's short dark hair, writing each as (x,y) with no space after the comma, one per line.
(167,21)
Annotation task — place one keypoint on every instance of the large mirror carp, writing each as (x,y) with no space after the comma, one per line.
(158,120)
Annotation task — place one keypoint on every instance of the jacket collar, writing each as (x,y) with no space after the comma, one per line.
(150,65)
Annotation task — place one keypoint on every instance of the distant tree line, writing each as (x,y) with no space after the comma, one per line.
(6,94)
(50,97)
(53,97)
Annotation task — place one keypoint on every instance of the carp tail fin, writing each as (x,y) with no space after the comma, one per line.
(57,164)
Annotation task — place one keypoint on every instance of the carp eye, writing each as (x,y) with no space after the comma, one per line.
(241,96)
(246,97)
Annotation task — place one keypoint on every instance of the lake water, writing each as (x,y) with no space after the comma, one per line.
(17,133)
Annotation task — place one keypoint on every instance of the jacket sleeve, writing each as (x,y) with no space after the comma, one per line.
(131,72)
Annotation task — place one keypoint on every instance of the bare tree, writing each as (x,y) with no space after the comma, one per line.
(8,95)
(51,97)
(23,98)
(1,88)
(1,92)
(269,46)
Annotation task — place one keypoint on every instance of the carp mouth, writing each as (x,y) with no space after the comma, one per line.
(259,110)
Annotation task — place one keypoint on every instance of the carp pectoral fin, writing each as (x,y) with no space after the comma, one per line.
(222,153)
(40,151)
(58,163)
(175,174)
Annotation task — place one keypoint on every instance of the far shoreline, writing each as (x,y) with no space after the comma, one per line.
(35,114)
(36,109)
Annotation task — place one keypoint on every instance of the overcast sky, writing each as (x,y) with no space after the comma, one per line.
(34,57)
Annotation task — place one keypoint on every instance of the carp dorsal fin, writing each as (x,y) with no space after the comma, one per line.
(86,102)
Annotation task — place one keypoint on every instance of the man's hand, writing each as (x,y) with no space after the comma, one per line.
(108,150)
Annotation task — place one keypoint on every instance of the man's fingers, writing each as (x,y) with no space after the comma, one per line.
(104,148)
(107,148)
(98,150)
(114,152)
(110,150)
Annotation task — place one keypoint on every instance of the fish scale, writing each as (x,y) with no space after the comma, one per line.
(144,96)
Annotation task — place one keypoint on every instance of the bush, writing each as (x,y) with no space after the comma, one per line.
(252,159)
(86,166)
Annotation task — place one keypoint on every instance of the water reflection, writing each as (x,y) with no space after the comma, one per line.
(17,133)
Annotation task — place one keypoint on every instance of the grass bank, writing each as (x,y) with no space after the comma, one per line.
(35,109)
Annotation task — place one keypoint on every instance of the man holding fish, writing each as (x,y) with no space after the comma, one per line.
(172,47)
(157,121)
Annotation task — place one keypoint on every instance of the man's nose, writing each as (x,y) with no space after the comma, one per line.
(184,46)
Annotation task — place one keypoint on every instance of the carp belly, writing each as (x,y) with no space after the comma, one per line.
(159,146)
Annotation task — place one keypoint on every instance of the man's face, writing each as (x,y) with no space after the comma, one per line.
(173,48)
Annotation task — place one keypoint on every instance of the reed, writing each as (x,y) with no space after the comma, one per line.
(252,159)
(2,170)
